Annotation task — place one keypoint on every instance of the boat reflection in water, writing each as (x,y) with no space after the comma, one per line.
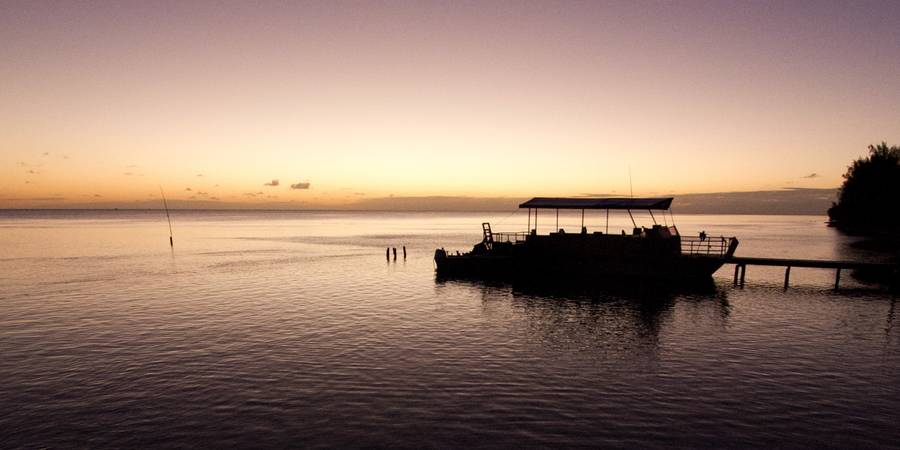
(609,322)
(657,253)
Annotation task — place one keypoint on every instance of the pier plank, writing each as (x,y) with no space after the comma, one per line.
(816,263)
(741,263)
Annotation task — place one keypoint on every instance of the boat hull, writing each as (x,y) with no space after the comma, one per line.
(678,268)
(582,256)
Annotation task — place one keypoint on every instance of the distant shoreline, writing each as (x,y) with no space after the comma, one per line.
(253,210)
(775,202)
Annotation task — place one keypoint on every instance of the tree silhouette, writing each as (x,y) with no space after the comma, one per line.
(870,195)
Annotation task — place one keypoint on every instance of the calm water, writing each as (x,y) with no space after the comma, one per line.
(265,328)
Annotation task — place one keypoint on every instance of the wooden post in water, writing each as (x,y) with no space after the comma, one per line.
(787,276)
(743,273)
(837,278)
(737,267)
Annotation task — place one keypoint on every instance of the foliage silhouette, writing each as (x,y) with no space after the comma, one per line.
(870,196)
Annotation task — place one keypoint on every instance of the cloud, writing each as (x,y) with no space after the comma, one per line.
(46,153)
(199,174)
(272,183)
(29,165)
(202,193)
(33,172)
(301,185)
(214,198)
(128,174)
(187,189)
(35,199)
(812,175)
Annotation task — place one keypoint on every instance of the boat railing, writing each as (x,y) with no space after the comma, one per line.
(690,245)
(706,245)
(510,236)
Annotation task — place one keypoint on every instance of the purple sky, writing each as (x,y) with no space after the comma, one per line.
(503,98)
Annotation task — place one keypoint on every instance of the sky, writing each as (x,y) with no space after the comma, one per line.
(333,103)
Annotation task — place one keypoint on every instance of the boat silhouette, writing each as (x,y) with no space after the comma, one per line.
(658,252)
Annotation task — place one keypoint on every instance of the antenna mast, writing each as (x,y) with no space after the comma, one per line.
(630,186)
(169,219)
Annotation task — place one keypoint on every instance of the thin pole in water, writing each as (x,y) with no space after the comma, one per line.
(630,184)
(168,218)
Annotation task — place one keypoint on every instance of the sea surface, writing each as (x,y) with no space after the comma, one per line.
(292,329)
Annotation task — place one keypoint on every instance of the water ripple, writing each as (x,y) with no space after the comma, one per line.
(229,341)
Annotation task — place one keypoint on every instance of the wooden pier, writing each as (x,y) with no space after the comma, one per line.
(741,263)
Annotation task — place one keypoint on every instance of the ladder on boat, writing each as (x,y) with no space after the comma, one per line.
(488,239)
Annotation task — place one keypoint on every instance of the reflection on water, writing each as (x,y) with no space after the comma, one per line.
(609,322)
(278,329)
(889,328)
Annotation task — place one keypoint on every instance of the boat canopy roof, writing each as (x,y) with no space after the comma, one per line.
(597,203)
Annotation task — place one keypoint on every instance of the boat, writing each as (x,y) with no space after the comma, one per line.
(657,252)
